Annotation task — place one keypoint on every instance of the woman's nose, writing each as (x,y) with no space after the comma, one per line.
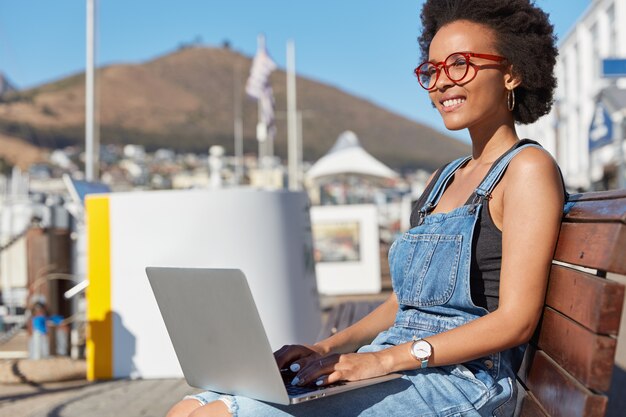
(443,80)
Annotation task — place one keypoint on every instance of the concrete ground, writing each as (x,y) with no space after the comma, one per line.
(119,398)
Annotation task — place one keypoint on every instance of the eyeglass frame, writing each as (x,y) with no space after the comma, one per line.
(442,64)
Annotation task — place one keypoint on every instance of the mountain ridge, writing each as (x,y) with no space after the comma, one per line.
(184,100)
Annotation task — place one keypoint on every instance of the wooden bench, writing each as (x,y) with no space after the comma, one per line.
(567,368)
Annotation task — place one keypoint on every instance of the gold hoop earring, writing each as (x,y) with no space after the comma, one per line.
(510,100)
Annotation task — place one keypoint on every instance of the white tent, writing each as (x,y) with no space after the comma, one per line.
(348,157)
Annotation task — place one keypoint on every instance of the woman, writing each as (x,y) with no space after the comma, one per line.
(469,278)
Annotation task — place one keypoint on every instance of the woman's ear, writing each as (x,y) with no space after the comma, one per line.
(511,79)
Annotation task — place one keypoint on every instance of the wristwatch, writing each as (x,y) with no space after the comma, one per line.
(421,350)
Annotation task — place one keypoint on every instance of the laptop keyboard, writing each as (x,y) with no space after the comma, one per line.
(299,390)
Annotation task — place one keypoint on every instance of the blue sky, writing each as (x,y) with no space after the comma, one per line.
(365,47)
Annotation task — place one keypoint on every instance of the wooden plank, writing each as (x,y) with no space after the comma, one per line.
(585,355)
(598,195)
(559,393)
(330,325)
(593,245)
(604,210)
(361,309)
(530,407)
(346,315)
(594,302)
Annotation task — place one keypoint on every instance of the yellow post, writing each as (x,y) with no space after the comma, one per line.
(99,315)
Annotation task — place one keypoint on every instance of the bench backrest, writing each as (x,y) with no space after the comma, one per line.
(568,366)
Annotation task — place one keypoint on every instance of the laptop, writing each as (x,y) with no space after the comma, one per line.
(219,338)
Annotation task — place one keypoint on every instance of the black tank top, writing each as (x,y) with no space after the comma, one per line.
(486,246)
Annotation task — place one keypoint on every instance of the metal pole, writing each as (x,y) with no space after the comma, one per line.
(91,151)
(299,173)
(621,169)
(261,129)
(261,134)
(238,128)
(292,122)
(7,224)
(269,143)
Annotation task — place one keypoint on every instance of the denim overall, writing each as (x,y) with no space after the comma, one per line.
(430,272)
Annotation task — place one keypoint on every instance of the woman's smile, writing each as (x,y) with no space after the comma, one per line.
(451,103)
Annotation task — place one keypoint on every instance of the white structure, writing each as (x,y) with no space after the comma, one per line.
(16,211)
(347,249)
(584,96)
(266,234)
(348,157)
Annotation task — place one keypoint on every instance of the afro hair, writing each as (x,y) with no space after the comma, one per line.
(524,35)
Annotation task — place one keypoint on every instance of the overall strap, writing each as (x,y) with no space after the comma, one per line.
(437,191)
(495,174)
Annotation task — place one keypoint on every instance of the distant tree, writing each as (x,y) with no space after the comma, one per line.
(5,167)
(226,44)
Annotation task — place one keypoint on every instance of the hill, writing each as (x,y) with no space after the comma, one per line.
(5,85)
(184,100)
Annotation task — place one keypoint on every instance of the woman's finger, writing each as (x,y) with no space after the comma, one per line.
(315,368)
(290,353)
(322,380)
(329,379)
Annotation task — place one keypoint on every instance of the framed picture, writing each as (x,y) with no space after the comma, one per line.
(337,241)
(346,248)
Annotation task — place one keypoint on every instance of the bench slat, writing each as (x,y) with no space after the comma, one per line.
(363,309)
(594,302)
(582,353)
(598,210)
(330,325)
(598,196)
(530,407)
(346,316)
(593,245)
(559,393)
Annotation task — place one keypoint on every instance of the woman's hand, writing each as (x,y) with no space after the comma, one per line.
(341,367)
(297,356)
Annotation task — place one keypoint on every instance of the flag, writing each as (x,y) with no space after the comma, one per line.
(262,67)
(258,87)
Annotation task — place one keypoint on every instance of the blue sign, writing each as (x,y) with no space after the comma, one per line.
(614,67)
(601,129)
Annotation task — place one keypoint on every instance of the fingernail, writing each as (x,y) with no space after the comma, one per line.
(319,382)
(295,367)
(295,381)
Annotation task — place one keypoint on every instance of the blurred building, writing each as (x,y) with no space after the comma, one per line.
(587,125)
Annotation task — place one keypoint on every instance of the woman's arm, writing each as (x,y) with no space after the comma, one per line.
(347,340)
(531,209)
(363,331)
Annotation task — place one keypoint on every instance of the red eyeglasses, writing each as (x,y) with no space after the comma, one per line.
(456,66)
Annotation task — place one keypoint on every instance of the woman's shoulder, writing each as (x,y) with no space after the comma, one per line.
(536,168)
(533,160)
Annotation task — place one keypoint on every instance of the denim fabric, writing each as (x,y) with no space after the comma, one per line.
(429,266)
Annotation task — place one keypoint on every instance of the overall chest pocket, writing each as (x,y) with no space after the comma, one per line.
(424,268)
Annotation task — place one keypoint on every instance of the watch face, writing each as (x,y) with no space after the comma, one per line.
(421,349)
